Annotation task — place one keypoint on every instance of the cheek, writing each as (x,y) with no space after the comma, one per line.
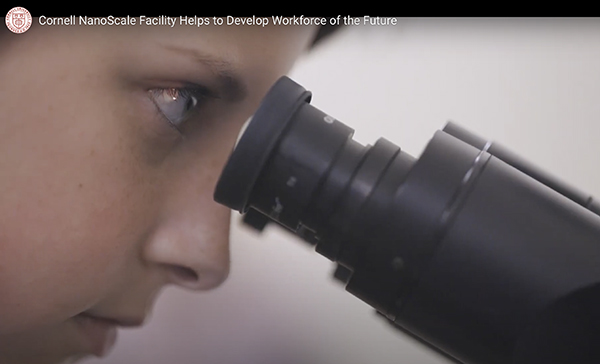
(70,237)
(75,203)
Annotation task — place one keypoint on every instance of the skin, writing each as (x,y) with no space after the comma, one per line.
(102,201)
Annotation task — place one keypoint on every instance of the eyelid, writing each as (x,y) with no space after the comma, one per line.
(198,89)
(194,88)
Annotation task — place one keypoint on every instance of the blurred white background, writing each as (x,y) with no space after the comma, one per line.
(530,84)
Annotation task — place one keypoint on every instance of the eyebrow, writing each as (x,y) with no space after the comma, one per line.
(230,82)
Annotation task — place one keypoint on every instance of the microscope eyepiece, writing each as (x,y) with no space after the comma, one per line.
(299,167)
(257,143)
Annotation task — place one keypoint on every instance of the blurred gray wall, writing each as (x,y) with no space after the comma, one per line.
(530,84)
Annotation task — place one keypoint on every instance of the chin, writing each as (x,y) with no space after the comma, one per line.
(36,359)
(58,344)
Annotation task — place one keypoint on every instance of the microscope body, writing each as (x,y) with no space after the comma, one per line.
(469,249)
(479,259)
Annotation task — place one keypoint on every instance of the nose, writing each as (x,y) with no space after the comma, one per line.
(191,246)
(190,237)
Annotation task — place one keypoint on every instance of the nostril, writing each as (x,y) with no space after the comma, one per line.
(184,274)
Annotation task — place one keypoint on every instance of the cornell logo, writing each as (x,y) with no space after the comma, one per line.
(18,20)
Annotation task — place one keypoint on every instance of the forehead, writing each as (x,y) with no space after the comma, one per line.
(236,44)
(254,52)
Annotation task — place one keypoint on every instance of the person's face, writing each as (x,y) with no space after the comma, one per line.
(111,143)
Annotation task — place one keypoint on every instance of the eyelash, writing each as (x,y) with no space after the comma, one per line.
(193,97)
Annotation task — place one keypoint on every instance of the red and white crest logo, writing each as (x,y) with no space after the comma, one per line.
(18,20)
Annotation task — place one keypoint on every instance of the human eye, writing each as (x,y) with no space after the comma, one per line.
(177,105)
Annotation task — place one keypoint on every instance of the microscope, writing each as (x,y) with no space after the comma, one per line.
(469,249)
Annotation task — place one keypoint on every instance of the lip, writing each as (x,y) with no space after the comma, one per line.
(115,321)
(99,333)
